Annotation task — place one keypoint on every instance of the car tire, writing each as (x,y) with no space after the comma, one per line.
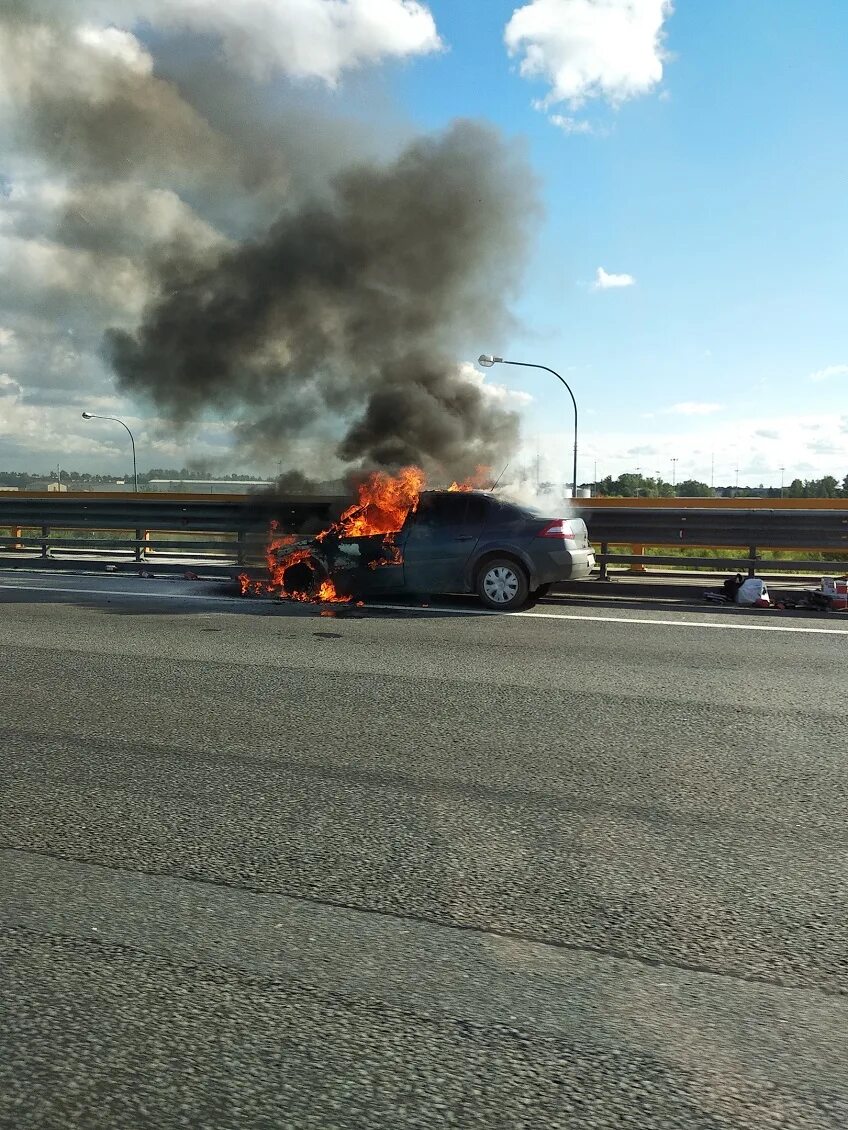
(305,577)
(503,585)
(541,591)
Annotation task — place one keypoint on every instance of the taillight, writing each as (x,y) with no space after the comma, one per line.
(561,528)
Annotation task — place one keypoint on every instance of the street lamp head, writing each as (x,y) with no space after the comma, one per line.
(487,361)
(87,416)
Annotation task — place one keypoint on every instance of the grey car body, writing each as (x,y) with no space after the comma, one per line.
(453,542)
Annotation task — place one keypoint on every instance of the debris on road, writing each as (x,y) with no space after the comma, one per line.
(835,590)
(831,596)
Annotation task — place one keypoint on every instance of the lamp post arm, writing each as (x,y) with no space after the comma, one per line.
(563,381)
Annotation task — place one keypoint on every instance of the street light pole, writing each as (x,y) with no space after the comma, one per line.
(115,420)
(487,361)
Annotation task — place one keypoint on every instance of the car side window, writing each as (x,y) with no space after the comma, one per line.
(456,509)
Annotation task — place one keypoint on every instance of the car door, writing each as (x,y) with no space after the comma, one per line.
(446,529)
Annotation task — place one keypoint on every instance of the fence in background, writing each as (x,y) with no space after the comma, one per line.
(232,529)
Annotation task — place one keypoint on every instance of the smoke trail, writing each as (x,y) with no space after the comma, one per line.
(363,300)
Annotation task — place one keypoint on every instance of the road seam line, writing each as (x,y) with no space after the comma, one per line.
(423,920)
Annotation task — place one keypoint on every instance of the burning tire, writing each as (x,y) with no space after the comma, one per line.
(502,584)
(304,578)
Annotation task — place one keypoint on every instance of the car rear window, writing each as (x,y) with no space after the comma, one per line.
(520,510)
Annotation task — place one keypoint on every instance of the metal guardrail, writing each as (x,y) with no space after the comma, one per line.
(749,530)
(143,525)
(233,528)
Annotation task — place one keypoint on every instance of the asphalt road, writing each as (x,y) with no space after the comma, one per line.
(403,867)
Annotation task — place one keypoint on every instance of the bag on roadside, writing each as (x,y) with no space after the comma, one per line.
(753,593)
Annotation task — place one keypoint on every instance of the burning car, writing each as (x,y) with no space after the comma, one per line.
(449,541)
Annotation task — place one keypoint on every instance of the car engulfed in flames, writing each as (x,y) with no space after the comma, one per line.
(399,538)
(300,569)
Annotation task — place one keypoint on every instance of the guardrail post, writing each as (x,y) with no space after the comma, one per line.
(240,551)
(17,532)
(637,551)
(752,568)
(45,533)
(604,551)
(139,550)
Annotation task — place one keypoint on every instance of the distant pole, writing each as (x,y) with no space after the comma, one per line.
(782,469)
(674,473)
(712,471)
(737,480)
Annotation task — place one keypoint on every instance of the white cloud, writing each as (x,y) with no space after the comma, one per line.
(570,125)
(508,397)
(302,38)
(693,408)
(610,49)
(119,45)
(605,281)
(705,447)
(7,337)
(37,269)
(826,447)
(8,387)
(829,371)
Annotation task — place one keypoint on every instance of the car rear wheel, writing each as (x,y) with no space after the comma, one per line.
(541,591)
(502,584)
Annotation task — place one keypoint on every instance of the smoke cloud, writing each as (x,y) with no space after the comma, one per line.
(359,301)
(288,274)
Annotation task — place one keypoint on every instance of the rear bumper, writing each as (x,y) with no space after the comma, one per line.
(552,565)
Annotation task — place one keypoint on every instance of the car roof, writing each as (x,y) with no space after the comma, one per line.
(444,490)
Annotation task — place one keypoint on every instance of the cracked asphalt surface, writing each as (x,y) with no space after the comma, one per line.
(267,868)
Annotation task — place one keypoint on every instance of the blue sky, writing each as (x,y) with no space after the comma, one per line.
(699,156)
(722,192)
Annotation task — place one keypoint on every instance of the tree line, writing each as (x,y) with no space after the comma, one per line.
(27,479)
(633,485)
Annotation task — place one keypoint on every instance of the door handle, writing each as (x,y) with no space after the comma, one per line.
(465,537)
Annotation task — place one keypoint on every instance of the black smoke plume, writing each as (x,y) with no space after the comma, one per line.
(352,309)
(256,251)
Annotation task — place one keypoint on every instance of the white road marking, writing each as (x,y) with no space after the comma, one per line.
(126,592)
(615,619)
(729,625)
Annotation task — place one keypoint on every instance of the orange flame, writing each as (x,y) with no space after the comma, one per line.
(480,480)
(384,502)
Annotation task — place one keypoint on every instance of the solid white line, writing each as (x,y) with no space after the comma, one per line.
(641,620)
(122,592)
(613,619)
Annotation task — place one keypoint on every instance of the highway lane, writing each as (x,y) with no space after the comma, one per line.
(400,867)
